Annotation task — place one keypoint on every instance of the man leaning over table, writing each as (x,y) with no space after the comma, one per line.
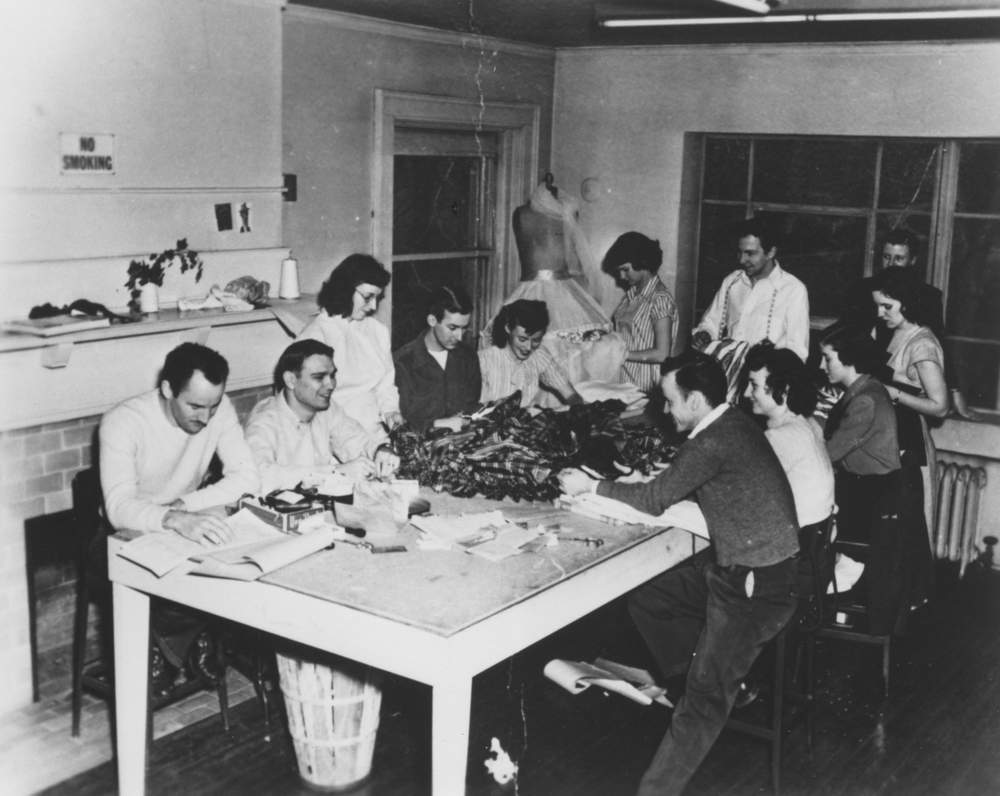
(299,433)
(712,616)
(437,374)
(156,453)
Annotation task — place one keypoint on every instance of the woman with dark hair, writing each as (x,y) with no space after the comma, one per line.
(366,378)
(861,440)
(647,314)
(781,391)
(919,391)
(515,361)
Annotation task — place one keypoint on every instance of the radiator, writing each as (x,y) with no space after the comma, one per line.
(956,515)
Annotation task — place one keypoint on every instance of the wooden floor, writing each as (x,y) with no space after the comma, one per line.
(938,733)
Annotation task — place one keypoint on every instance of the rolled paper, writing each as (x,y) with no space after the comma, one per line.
(288,287)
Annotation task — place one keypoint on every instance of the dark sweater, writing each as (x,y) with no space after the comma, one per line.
(737,479)
(426,391)
(861,430)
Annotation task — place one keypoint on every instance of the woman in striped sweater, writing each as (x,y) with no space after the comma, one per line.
(647,315)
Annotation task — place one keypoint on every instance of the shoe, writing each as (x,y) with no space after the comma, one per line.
(202,659)
(162,673)
(747,695)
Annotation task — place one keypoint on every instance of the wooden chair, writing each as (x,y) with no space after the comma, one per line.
(96,675)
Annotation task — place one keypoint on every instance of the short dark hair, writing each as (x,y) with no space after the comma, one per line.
(356,269)
(447,298)
(643,253)
(906,287)
(788,379)
(695,371)
(293,357)
(183,361)
(761,228)
(855,346)
(902,237)
(532,316)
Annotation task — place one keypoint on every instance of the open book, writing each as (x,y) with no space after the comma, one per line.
(577,676)
(257,548)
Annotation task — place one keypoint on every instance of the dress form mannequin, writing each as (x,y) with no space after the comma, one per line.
(554,254)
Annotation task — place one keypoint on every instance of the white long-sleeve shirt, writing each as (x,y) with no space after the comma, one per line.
(286,449)
(148,462)
(366,378)
(775,307)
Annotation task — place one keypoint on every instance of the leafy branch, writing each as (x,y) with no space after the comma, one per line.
(153,270)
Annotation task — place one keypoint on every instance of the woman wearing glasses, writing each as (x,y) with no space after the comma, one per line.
(365,376)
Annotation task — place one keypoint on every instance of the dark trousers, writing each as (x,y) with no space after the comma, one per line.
(704,609)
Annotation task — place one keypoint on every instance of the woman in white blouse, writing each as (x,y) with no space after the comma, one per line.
(366,378)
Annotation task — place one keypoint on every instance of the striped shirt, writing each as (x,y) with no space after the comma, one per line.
(503,374)
(636,319)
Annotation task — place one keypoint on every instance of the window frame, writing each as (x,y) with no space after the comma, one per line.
(941,216)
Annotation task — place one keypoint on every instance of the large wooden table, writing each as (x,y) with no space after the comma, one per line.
(438,617)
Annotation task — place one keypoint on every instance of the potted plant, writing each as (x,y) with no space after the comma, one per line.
(145,276)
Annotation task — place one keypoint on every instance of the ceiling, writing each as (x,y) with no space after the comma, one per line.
(573,23)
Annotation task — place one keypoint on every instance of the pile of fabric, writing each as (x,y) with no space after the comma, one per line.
(516,453)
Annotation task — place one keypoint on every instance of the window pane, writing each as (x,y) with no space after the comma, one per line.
(716,251)
(975,369)
(726,168)
(978,179)
(809,171)
(413,283)
(909,175)
(918,225)
(434,204)
(826,252)
(974,280)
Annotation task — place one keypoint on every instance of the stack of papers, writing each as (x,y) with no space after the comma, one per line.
(686,514)
(486,534)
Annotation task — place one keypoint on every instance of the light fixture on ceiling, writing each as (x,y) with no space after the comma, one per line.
(865,16)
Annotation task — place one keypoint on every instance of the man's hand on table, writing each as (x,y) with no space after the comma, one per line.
(204,527)
(576,482)
(386,463)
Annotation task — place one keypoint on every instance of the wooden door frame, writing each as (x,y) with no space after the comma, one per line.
(516,125)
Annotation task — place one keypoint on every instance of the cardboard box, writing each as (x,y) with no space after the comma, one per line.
(284,521)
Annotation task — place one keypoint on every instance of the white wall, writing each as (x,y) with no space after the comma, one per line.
(191,90)
(332,65)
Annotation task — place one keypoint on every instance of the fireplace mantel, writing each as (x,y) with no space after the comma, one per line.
(50,379)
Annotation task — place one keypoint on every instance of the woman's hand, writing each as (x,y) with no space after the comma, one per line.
(575,482)
(392,419)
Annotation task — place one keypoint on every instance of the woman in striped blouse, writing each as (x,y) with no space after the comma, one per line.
(647,315)
(516,361)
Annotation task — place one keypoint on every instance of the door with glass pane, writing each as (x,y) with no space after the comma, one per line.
(444,200)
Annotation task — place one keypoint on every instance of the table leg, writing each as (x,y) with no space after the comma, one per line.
(131,627)
(450,736)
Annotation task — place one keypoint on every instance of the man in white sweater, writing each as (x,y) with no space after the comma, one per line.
(156,448)
(155,452)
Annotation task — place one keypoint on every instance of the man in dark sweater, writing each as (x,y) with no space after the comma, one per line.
(437,375)
(711,617)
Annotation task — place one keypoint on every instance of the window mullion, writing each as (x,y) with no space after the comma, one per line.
(942,222)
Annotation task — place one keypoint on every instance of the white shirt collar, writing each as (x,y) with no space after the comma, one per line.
(708,419)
